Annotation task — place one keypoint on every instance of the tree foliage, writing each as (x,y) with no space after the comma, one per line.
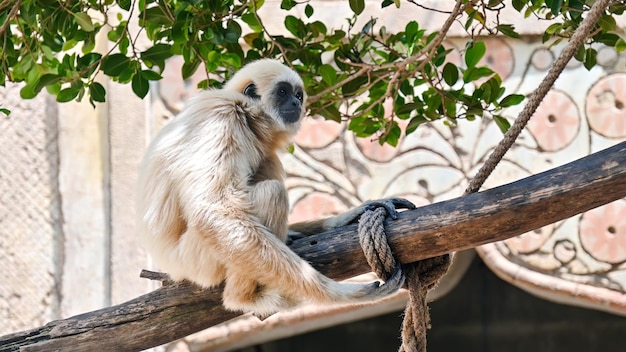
(368,75)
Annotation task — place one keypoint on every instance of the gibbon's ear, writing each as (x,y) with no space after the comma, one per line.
(250,91)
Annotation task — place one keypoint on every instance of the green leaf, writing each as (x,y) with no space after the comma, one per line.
(308,10)
(502,123)
(474,53)
(409,107)
(518,5)
(140,85)
(554,28)
(329,75)
(331,113)
(590,58)
(84,21)
(158,52)
(125,4)
(5,111)
(67,94)
(450,107)
(490,89)
(555,6)
(233,32)
(386,3)
(608,39)
(88,64)
(151,75)
(154,15)
(474,73)
(252,22)
(46,80)
(450,73)
(28,92)
(620,45)
(357,6)
(510,100)
(393,135)
(607,23)
(411,30)
(157,55)
(508,30)
(415,123)
(295,26)
(114,64)
(288,4)
(88,60)
(353,86)
(97,92)
(580,53)
(189,68)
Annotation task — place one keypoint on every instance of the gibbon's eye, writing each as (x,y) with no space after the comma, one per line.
(299,96)
(282,92)
(250,91)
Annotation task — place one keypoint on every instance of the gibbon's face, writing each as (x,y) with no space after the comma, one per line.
(276,87)
(284,100)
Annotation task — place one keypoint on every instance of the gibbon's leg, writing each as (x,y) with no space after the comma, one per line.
(243,292)
(271,206)
(308,228)
(196,261)
(272,276)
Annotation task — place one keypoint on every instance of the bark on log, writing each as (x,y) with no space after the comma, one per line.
(177,310)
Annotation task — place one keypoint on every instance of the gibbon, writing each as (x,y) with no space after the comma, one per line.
(213,206)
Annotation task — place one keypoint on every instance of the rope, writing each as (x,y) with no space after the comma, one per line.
(537,96)
(421,277)
(424,275)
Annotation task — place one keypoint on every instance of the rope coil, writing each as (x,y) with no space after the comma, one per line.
(420,276)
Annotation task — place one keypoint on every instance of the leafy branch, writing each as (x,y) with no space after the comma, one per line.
(385,84)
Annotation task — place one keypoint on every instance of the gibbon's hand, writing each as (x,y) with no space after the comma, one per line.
(391,204)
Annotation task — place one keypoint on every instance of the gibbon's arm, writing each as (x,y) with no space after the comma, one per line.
(308,228)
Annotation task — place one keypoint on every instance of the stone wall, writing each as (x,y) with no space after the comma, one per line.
(30,213)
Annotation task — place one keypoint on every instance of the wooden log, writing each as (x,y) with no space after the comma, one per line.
(177,310)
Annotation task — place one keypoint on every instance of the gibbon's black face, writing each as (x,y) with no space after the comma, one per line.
(284,97)
(289,101)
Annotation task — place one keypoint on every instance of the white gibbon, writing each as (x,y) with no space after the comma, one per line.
(213,206)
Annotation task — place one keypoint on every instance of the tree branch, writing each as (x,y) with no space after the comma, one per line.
(180,309)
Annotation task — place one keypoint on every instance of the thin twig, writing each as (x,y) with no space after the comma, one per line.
(156,276)
(428,8)
(274,42)
(12,14)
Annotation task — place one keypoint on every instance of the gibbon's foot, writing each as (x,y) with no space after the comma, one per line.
(261,316)
(393,283)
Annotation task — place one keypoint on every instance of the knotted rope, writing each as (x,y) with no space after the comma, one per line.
(421,276)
